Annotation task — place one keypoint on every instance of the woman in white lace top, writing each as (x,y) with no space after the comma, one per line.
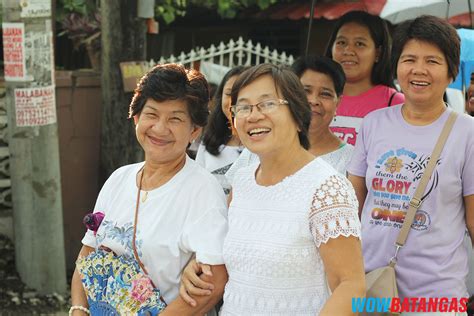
(293,227)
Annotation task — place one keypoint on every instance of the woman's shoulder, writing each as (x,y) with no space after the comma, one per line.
(246,172)
(465,124)
(124,172)
(466,120)
(391,95)
(320,170)
(383,113)
(195,171)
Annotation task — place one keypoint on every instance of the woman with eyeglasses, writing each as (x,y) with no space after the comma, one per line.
(323,80)
(292,218)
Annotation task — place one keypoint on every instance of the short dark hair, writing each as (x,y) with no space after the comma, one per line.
(323,65)
(433,30)
(378,29)
(289,85)
(218,130)
(173,82)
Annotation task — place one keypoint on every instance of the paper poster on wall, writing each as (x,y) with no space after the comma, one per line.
(35,106)
(35,8)
(39,56)
(14,51)
(132,71)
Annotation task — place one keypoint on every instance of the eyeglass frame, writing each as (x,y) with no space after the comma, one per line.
(257,105)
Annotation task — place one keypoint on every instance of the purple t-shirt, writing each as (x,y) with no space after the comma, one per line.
(392,155)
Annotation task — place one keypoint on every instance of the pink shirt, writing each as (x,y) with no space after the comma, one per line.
(353,109)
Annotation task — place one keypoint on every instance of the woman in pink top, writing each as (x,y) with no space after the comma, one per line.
(361,43)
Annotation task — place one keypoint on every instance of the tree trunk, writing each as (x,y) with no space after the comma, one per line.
(123,39)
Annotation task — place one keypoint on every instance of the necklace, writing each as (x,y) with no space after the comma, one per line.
(145,196)
(145,193)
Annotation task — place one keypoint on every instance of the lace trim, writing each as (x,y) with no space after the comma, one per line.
(334,211)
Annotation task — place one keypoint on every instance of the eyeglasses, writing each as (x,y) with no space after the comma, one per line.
(265,107)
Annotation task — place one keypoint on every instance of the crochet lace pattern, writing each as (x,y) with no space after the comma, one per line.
(271,252)
(332,211)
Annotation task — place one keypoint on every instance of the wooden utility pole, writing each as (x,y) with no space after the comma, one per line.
(33,144)
(123,39)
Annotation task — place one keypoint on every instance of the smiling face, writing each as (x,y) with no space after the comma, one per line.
(470,96)
(164,130)
(355,50)
(422,73)
(226,96)
(322,97)
(265,133)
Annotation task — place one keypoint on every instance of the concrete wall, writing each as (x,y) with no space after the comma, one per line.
(6,222)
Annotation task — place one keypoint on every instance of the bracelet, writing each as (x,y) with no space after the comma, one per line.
(79,307)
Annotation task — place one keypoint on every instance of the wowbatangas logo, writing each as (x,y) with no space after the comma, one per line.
(409,304)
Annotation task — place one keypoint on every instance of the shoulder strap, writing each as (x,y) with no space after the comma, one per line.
(135,252)
(391,99)
(416,201)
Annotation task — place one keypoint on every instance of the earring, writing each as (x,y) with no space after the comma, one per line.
(231,127)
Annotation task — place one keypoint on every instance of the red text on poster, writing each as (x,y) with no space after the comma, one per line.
(14,51)
(35,106)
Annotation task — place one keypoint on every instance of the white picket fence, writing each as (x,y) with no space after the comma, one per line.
(234,53)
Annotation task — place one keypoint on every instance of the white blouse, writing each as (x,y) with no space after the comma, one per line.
(184,217)
(271,250)
(220,164)
(338,159)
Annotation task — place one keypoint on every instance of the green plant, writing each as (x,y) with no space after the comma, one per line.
(168,10)
(80,7)
(79,20)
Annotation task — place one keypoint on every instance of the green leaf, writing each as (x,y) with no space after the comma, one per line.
(168,17)
(263,4)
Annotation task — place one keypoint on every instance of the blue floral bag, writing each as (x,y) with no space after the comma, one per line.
(116,285)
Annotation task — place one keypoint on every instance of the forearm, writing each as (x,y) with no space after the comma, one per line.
(179,307)
(360,190)
(340,302)
(78,295)
(204,303)
(469,205)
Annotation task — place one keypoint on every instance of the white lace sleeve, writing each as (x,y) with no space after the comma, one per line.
(334,211)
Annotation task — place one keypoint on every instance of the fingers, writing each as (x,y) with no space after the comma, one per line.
(194,283)
(195,286)
(185,296)
(199,287)
(206,269)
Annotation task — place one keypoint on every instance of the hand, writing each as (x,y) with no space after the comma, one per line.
(192,284)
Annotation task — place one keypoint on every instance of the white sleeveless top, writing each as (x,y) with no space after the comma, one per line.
(271,250)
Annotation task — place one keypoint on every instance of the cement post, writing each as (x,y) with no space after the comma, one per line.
(33,144)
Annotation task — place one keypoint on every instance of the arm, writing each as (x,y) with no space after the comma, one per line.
(346,278)
(192,284)
(229,198)
(204,303)
(193,278)
(78,296)
(469,205)
(360,190)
